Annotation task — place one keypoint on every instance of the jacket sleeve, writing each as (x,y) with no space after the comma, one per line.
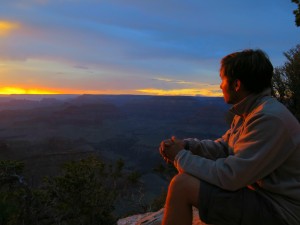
(208,148)
(263,145)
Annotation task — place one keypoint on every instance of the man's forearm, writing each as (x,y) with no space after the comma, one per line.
(206,148)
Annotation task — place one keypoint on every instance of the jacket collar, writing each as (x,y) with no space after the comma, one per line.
(246,105)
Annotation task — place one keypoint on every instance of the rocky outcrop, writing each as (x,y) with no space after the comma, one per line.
(154,218)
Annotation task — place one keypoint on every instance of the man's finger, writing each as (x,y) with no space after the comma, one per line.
(161,150)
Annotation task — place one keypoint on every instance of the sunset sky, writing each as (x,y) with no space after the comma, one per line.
(167,47)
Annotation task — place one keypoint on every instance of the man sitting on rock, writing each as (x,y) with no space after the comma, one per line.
(249,176)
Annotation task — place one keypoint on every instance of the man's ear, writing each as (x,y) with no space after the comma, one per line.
(237,85)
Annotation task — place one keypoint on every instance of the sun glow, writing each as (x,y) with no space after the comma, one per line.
(16,90)
(36,91)
(6,27)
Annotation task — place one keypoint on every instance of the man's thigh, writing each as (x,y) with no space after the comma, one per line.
(241,207)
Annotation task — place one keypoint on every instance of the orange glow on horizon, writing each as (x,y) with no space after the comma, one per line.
(151,91)
(183,92)
(6,27)
(16,90)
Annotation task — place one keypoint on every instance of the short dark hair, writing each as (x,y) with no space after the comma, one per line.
(252,67)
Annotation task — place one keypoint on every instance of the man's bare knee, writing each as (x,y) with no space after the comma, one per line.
(179,182)
(185,186)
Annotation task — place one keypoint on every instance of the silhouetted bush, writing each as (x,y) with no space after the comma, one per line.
(84,193)
(297,12)
(81,195)
(286,81)
(15,196)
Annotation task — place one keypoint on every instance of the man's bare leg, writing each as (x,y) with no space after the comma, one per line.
(183,193)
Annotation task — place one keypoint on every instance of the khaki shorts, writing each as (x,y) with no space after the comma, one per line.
(242,207)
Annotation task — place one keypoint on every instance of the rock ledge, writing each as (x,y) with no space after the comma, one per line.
(154,218)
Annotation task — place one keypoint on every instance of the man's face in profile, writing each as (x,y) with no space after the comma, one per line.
(227,87)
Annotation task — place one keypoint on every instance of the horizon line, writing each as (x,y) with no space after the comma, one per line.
(153,95)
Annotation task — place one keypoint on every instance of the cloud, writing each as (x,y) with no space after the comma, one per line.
(181,87)
(172,80)
(184,83)
(171,86)
(136,45)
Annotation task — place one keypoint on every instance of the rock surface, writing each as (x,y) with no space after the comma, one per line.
(154,218)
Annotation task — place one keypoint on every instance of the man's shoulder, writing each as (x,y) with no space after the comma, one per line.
(271,107)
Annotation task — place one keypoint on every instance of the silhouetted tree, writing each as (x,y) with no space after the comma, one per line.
(84,194)
(134,177)
(297,12)
(286,81)
(81,195)
(15,195)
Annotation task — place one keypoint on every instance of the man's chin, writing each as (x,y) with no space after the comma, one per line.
(228,101)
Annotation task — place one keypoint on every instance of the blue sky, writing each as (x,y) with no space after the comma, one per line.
(168,47)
